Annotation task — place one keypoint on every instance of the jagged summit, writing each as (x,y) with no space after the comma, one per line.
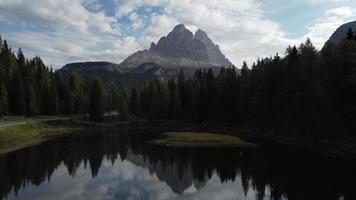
(202,36)
(181,48)
(180,28)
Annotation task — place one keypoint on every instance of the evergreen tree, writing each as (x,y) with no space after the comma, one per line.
(31,108)
(114,100)
(184,96)
(97,101)
(1,42)
(17,95)
(350,34)
(78,93)
(3,100)
(45,101)
(21,60)
(134,103)
(53,103)
(63,94)
(172,98)
(123,104)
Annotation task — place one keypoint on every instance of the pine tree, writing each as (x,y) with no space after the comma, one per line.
(1,43)
(172,98)
(97,101)
(53,103)
(350,34)
(3,101)
(21,60)
(31,107)
(114,100)
(17,95)
(46,98)
(9,64)
(63,93)
(134,104)
(78,93)
(123,104)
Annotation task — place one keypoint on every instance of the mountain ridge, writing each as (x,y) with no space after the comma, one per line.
(340,32)
(179,49)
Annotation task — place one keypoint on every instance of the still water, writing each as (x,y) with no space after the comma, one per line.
(124,166)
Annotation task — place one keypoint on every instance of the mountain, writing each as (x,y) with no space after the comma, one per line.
(340,32)
(113,74)
(105,70)
(180,49)
(91,66)
(168,173)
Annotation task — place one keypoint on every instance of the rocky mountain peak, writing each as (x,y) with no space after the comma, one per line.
(180,43)
(180,28)
(180,49)
(202,36)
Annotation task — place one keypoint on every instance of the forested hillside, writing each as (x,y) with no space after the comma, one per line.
(306,92)
(28,87)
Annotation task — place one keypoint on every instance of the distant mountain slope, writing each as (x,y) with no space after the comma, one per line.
(91,66)
(112,74)
(340,32)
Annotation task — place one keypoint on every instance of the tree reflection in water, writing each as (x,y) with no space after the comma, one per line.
(264,173)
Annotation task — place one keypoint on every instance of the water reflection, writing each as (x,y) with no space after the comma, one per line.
(121,166)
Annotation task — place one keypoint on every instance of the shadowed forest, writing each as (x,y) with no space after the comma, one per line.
(307,92)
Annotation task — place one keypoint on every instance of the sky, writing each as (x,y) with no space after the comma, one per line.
(64,31)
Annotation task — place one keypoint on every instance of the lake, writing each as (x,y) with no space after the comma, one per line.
(125,166)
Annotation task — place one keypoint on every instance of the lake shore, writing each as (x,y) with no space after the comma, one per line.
(189,139)
(23,135)
(342,147)
(31,132)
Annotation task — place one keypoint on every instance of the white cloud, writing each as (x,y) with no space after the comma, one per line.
(62,31)
(239,27)
(93,4)
(136,21)
(55,14)
(124,7)
(325,25)
(160,26)
(325,2)
(125,180)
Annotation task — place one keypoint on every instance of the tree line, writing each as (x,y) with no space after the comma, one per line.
(306,92)
(28,87)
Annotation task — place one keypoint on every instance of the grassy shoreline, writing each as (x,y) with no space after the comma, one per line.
(32,132)
(15,137)
(338,147)
(201,140)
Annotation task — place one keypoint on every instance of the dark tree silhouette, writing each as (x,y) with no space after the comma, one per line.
(97,101)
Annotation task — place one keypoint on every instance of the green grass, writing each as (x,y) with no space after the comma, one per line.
(200,139)
(29,133)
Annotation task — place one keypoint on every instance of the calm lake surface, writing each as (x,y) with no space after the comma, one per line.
(123,166)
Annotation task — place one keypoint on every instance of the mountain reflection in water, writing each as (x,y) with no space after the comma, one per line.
(122,166)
